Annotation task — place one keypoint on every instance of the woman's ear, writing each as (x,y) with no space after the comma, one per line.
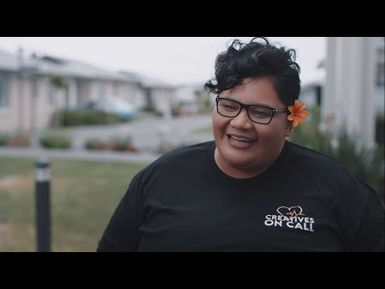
(288,129)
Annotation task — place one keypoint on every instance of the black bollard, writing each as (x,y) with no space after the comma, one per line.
(43,214)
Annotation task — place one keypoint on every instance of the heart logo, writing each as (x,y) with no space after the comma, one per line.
(290,211)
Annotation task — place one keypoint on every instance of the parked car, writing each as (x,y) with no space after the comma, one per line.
(116,106)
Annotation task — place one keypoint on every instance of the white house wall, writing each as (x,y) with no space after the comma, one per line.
(350,83)
(8,113)
(83,91)
(42,108)
(22,107)
(29,106)
(134,94)
(163,100)
(73,100)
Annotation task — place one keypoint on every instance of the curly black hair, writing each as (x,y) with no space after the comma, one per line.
(256,59)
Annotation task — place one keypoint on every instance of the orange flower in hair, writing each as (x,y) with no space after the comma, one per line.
(297,113)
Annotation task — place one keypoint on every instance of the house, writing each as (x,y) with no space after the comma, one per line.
(349,88)
(33,89)
(311,94)
(354,87)
(192,99)
(159,95)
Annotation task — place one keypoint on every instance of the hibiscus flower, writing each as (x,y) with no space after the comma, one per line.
(297,113)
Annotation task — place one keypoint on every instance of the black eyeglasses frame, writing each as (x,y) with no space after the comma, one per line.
(274,110)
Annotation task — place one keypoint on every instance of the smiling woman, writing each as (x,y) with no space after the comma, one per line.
(250,189)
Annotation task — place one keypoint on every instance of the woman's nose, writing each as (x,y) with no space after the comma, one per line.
(242,121)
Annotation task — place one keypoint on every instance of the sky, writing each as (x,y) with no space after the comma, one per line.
(174,60)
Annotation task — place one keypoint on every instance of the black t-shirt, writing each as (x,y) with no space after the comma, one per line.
(304,202)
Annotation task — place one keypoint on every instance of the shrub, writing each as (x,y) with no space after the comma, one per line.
(96,144)
(123,145)
(366,164)
(380,129)
(3,140)
(18,140)
(116,144)
(60,142)
(86,117)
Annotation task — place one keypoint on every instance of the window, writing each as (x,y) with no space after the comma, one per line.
(4,98)
(380,75)
(311,95)
(102,91)
(51,93)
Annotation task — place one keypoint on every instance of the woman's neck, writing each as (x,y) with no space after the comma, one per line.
(238,172)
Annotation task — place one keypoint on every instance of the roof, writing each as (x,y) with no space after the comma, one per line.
(134,77)
(150,82)
(52,65)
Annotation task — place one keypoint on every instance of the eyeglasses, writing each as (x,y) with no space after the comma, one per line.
(257,113)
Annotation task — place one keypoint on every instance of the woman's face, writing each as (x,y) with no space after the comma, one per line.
(244,148)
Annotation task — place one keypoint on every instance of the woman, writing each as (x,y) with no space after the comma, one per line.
(250,189)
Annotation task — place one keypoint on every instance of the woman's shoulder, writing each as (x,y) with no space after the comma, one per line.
(186,156)
(315,167)
(179,161)
(189,153)
(313,161)
(304,153)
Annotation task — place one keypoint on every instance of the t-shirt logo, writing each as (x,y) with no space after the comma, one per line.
(291,212)
(291,217)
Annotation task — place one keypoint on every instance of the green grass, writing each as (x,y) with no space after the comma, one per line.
(83,197)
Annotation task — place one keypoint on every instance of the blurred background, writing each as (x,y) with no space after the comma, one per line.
(97,110)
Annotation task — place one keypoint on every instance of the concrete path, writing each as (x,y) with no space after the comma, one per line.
(78,155)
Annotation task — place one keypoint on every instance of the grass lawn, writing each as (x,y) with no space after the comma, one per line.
(84,195)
